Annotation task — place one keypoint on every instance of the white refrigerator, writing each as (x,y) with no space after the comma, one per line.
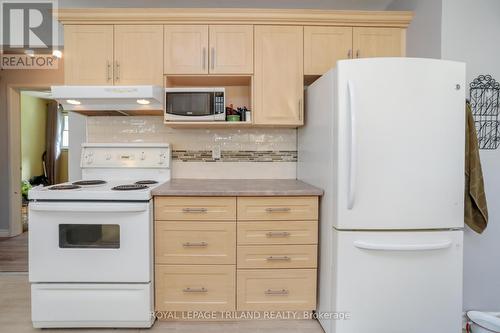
(384,137)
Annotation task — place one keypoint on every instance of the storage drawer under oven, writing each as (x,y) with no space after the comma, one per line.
(90,242)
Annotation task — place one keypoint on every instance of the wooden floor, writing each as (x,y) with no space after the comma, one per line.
(14,253)
(15,317)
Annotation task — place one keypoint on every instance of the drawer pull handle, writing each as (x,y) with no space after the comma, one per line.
(200,244)
(194,210)
(278,210)
(284,258)
(271,234)
(281,292)
(195,290)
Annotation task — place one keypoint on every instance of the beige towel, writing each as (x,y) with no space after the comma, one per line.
(476,210)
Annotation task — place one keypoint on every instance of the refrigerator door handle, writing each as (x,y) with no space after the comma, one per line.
(352,147)
(402,247)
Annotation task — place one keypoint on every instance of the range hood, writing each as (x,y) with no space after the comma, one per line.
(110,100)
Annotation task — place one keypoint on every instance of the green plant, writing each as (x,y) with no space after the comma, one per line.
(25,187)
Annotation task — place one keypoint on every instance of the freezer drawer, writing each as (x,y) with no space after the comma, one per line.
(397,282)
(91,305)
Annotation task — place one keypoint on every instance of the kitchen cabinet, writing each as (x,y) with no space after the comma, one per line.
(203,49)
(138,54)
(186,49)
(231,49)
(88,54)
(278,76)
(323,46)
(236,253)
(113,54)
(378,42)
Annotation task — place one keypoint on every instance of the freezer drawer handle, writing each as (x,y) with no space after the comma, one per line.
(278,234)
(279,258)
(194,210)
(281,292)
(200,244)
(402,247)
(195,290)
(278,210)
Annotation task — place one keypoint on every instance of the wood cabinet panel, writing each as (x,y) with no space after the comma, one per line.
(277,208)
(278,75)
(277,256)
(277,232)
(186,49)
(195,242)
(195,288)
(195,208)
(88,54)
(276,289)
(324,46)
(378,42)
(138,54)
(231,49)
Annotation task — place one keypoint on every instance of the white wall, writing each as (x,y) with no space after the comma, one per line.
(424,33)
(471,33)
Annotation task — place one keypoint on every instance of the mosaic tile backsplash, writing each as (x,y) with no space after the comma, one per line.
(258,153)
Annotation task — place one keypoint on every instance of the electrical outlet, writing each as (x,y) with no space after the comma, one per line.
(216,152)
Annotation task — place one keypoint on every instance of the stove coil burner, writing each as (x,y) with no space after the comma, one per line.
(90,182)
(64,187)
(146,182)
(130,187)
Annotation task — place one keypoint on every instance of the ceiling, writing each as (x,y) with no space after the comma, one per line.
(312,4)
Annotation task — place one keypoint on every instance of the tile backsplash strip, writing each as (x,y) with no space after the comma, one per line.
(245,153)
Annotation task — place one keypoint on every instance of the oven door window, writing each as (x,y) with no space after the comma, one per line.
(91,236)
(189,104)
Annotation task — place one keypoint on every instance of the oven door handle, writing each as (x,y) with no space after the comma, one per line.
(100,208)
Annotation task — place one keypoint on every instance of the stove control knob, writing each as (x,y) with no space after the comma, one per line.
(163,156)
(108,156)
(89,158)
(143,156)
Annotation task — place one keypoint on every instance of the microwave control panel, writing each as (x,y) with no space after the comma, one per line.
(219,106)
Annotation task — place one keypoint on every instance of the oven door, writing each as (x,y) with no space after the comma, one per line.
(184,105)
(90,241)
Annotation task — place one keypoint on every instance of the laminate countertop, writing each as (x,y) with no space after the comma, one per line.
(235,187)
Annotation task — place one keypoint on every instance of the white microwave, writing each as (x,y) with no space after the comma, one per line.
(195,104)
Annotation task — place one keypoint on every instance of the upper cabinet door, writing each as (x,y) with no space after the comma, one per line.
(378,42)
(279,75)
(186,49)
(323,46)
(231,49)
(88,54)
(138,54)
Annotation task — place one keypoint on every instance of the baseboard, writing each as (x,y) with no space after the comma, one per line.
(4,233)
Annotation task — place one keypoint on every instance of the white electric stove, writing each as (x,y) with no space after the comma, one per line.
(91,245)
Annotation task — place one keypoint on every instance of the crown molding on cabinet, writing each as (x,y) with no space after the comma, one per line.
(255,16)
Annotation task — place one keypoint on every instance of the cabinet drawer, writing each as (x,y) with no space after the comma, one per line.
(278,208)
(278,232)
(195,208)
(276,289)
(277,256)
(195,288)
(189,242)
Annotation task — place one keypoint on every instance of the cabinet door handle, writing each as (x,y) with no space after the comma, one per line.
(204,58)
(195,290)
(278,258)
(108,71)
(280,292)
(212,58)
(357,53)
(349,54)
(200,244)
(271,234)
(194,210)
(300,109)
(278,209)
(117,74)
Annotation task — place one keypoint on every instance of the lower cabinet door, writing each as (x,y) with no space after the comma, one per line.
(195,287)
(276,289)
